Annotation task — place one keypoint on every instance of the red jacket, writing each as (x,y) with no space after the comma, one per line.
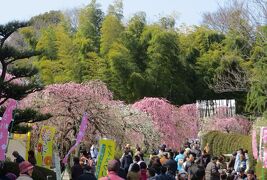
(111,176)
(143,174)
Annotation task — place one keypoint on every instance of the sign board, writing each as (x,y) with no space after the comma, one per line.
(107,152)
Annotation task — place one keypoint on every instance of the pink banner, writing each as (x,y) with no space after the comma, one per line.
(4,123)
(264,138)
(254,144)
(80,136)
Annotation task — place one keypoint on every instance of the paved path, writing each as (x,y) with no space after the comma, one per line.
(66,176)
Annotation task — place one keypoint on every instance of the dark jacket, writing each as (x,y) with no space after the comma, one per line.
(172,166)
(211,172)
(164,177)
(87,176)
(76,171)
(19,159)
(126,161)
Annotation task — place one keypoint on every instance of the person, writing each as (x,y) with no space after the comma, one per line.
(237,159)
(231,163)
(11,176)
(182,175)
(136,160)
(134,173)
(31,157)
(19,159)
(151,174)
(207,148)
(155,164)
(94,152)
(243,163)
(76,169)
(113,168)
(205,158)
(143,171)
(163,174)
(3,171)
(221,164)
(241,174)
(162,149)
(197,172)
(87,174)
(126,160)
(211,172)
(85,159)
(139,153)
(180,160)
(171,164)
(26,169)
(251,175)
(189,162)
(164,157)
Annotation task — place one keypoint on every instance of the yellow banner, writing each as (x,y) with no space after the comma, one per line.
(45,147)
(107,152)
(28,145)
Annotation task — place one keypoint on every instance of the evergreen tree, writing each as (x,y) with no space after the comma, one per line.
(16,80)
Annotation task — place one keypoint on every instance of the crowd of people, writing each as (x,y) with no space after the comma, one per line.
(190,163)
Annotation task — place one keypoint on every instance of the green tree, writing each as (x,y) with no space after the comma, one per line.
(110,32)
(17,81)
(90,22)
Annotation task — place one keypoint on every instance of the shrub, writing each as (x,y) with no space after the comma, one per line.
(227,143)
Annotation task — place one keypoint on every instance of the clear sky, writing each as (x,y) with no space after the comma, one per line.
(189,11)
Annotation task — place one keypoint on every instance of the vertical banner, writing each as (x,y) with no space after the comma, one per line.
(264,144)
(4,123)
(45,146)
(28,145)
(107,152)
(254,144)
(79,138)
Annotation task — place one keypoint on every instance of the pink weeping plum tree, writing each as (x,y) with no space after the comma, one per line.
(235,124)
(107,117)
(173,124)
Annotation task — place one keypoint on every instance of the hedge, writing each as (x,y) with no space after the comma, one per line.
(227,143)
(39,173)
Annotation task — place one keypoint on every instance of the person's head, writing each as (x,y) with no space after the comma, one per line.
(76,160)
(234,154)
(84,153)
(26,168)
(135,168)
(137,158)
(245,151)
(182,151)
(151,172)
(192,157)
(163,169)
(250,175)
(241,150)
(196,172)
(242,171)
(221,158)
(214,159)
(162,147)
(242,157)
(113,165)
(182,175)
(31,153)
(11,176)
(138,149)
(15,154)
(171,154)
(143,165)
